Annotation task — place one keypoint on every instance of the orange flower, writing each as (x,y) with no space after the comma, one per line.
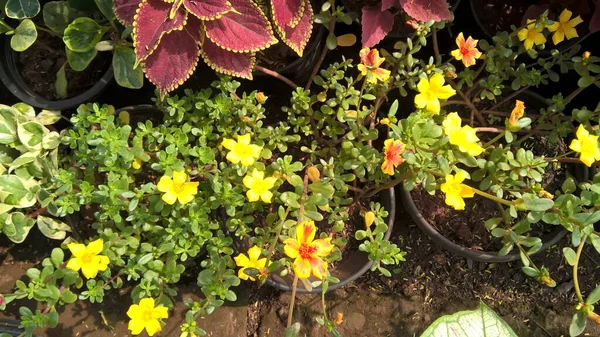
(369,66)
(307,251)
(393,155)
(594,316)
(467,51)
(517,113)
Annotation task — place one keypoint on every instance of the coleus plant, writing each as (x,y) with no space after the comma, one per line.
(378,20)
(171,35)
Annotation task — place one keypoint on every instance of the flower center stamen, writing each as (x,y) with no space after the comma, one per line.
(306,251)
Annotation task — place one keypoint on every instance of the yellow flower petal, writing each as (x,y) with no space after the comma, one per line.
(136,326)
(152,327)
(254,253)
(77,249)
(291,248)
(229,144)
(244,139)
(179,178)
(323,247)
(169,198)
(95,247)
(305,231)
(165,184)
(74,264)
(302,268)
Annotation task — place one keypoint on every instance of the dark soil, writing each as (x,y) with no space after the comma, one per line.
(40,63)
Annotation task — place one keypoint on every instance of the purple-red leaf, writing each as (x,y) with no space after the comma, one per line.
(387,4)
(125,10)
(298,36)
(246,29)
(151,23)
(595,20)
(175,58)
(207,9)
(425,10)
(227,62)
(287,12)
(375,24)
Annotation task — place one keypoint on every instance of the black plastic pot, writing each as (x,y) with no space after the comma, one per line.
(10,75)
(477,255)
(349,269)
(11,327)
(299,70)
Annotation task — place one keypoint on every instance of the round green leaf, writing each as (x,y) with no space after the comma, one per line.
(25,36)
(22,9)
(78,61)
(123,65)
(58,15)
(83,34)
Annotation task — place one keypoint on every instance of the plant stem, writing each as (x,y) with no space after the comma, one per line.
(576,266)
(6,25)
(277,76)
(315,70)
(492,197)
(292,302)
(35,214)
(272,248)
(303,199)
(436,48)
(467,100)
(40,28)
(386,186)
(455,102)
(495,139)
(509,97)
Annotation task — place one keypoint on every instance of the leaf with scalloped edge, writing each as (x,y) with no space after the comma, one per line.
(207,9)
(425,10)
(245,29)
(125,10)
(227,62)
(375,24)
(287,12)
(175,58)
(297,38)
(151,23)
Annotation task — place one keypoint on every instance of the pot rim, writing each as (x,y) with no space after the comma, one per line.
(13,81)
(349,265)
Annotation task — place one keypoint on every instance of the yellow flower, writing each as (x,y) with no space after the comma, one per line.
(307,251)
(467,51)
(531,35)
(146,316)
(385,121)
(261,97)
(253,261)
(241,151)
(136,164)
(464,137)
(564,27)
(369,66)
(455,190)
(586,55)
(586,145)
(393,150)
(88,258)
(259,186)
(431,91)
(177,188)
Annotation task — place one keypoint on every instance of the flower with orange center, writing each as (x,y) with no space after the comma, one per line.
(307,251)
(467,51)
(393,150)
(369,66)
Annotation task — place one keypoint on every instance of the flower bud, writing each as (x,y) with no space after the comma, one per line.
(450,74)
(322,96)
(261,97)
(545,194)
(339,319)
(594,316)
(313,174)
(586,55)
(124,117)
(517,113)
(369,219)
(385,121)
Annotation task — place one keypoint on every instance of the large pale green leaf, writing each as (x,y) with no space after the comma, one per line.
(52,228)
(25,109)
(58,15)
(78,61)
(51,140)
(83,34)
(61,82)
(17,227)
(123,65)
(25,35)
(22,9)
(8,127)
(481,322)
(24,159)
(48,117)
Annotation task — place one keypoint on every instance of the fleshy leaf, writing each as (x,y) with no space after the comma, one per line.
(287,12)
(151,23)
(595,20)
(425,10)
(298,37)
(246,29)
(175,58)
(375,24)
(387,4)
(227,62)
(125,10)
(207,9)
